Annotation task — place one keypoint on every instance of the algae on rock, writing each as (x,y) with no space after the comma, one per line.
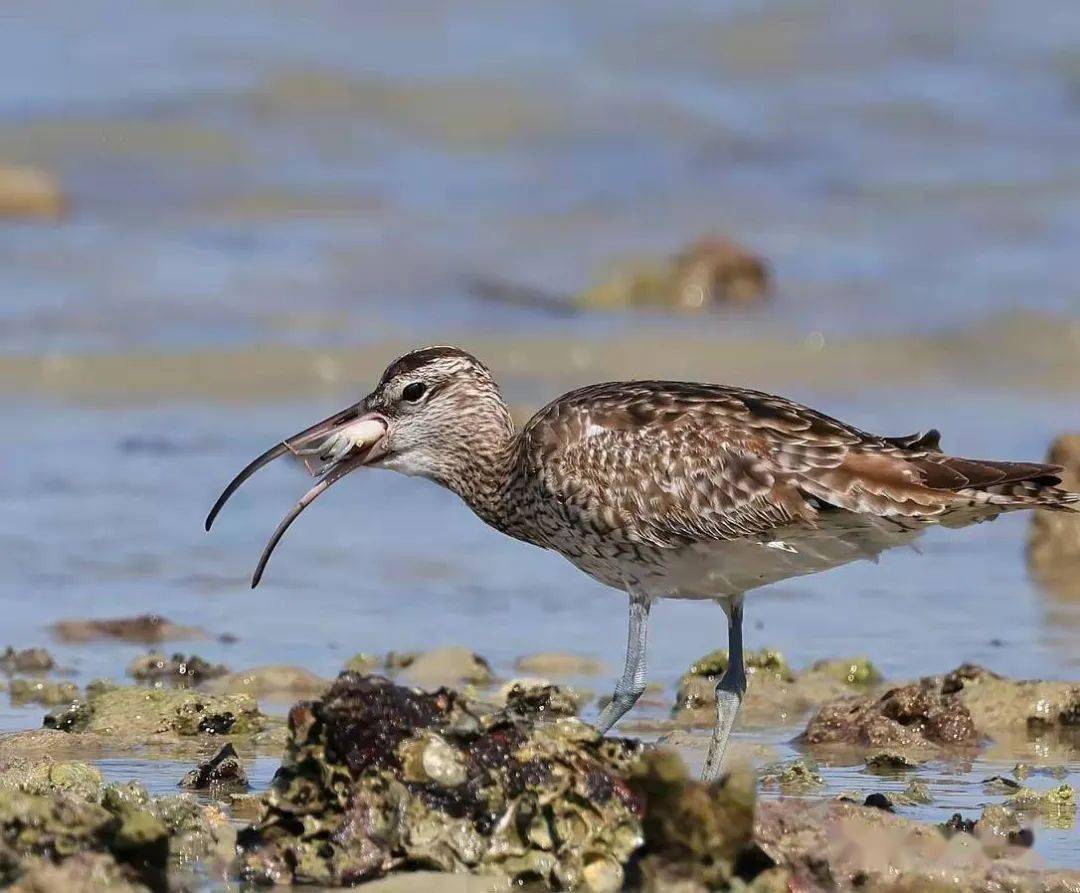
(57,826)
(141,713)
(379,778)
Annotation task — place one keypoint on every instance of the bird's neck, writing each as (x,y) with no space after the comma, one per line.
(485,478)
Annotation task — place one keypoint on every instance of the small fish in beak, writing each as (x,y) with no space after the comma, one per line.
(330,450)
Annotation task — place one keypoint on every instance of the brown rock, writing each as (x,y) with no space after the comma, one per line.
(1053,550)
(916,715)
(1025,704)
(270,680)
(839,845)
(447,666)
(223,772)
(146,628)
(180,670)
(29,192)
(26,660)
(775,694)
(557,663)
(379,778)
(715,271)
(711,272)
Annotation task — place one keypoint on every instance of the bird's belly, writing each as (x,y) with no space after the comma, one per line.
(723,568)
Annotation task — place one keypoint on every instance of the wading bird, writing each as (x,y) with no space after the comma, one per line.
(661,489)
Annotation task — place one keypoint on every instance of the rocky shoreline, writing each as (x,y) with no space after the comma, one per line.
(428,764)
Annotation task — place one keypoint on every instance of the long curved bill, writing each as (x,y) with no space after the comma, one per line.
(331,448)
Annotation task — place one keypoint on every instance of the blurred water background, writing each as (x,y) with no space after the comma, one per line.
(268,201)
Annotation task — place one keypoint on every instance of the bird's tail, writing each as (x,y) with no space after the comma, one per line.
(1010,485)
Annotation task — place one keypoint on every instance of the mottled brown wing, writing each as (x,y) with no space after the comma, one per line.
(665,463)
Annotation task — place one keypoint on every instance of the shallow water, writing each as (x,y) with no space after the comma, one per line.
(242,173)
(268,200)
(110,525)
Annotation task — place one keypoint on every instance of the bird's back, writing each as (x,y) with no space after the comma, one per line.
(631,469)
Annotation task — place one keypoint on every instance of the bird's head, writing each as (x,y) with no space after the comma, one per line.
(436,412)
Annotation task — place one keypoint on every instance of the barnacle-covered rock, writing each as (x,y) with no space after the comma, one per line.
(362,662)
(56,826)
(1057,805)
(88,872)
(857,672)
(380,778)
(541,698)
(196,831)
(697,686)
(270,681)
(996,702)
(25,660)
(776,694)
(890,762)
(42,776)
(917,716)
(222,773)
(157,714)
(695,835)
(795,775)
(838,845)
(42,691)
(916,793)
(182,671)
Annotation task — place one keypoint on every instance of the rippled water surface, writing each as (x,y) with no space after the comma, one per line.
(292,188)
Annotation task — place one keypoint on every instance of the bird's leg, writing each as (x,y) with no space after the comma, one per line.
(632,682)
(729,691)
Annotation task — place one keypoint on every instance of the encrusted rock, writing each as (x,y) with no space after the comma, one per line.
(445,666)
(890,762)
(269,681)
(222,773)
(196,831)
(361,662)
(857,672)
(838,845)
(156,714)
(26,660)
(541,698)
(80,873)
(379,778)
(794,775)
(53,827)
(42,691)
(999,703)
(911,716)
(1054,542)
(915,794)
(696,836)
(42,776)
(558,664)
(776,694)
(179,670)
(710,272)
(1057,803)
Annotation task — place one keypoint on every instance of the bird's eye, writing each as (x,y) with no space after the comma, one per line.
(414,391)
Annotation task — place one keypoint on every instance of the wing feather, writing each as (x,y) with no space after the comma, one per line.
(666,463)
